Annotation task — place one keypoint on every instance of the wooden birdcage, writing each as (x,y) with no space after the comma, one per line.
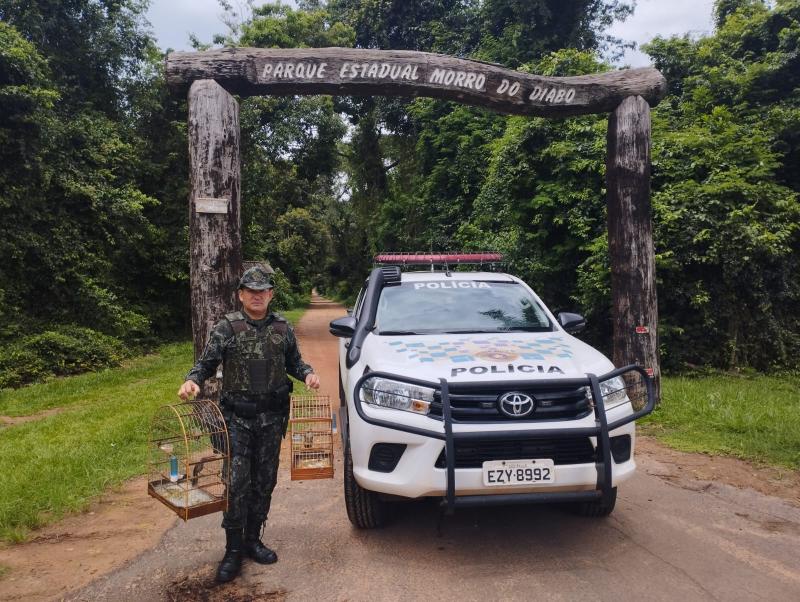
(188,457)
(311,430)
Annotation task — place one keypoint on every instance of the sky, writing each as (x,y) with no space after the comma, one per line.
(173,20)
(662,18)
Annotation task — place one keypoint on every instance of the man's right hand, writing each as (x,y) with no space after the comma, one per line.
(188,390)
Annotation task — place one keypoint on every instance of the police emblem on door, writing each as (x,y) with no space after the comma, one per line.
(516,404)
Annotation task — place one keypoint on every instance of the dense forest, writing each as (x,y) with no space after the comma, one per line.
(93,173)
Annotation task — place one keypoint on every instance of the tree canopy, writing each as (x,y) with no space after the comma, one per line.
(93,177)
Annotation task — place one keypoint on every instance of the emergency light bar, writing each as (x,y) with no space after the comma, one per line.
(437,258)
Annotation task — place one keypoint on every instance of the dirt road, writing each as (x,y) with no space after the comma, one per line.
(679,533)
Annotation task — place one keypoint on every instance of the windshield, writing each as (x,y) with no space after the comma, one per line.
(456,306)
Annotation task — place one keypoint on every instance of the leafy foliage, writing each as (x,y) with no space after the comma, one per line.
(70,350)
(727,212)
(88,227)
(290,156)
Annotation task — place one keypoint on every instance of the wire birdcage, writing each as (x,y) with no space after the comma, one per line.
(311,429)
(635,388)
(188,457)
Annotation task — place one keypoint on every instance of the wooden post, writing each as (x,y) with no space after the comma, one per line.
(215,246)
(630,238)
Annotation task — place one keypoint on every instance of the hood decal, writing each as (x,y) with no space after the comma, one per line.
(493,348)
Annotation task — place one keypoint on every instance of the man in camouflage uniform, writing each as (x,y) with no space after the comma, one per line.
(257,349)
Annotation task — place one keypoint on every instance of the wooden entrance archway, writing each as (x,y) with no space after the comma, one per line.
(215,241)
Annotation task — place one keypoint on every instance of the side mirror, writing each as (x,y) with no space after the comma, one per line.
(343,327)
(572,323)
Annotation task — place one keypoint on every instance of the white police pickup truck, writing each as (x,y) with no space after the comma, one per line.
(463,385)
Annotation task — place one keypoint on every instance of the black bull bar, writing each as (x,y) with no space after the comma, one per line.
(600,430)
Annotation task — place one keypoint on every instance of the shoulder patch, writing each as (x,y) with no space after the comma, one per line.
(237,321)
(280,325)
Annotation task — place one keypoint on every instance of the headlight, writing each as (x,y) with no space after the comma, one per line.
(614,393)
(396,395)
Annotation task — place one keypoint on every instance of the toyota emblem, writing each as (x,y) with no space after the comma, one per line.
(516,405)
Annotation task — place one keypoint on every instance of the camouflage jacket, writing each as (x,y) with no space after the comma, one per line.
(220,340)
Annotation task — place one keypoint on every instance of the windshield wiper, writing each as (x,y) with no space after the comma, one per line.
(500,330)
(396,332)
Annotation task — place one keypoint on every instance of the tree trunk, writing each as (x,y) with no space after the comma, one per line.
(630,238)
(214,234)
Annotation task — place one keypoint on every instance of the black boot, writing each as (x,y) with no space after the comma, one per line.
(255,549)
(231,563)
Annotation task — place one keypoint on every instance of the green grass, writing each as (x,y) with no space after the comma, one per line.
(750,417)
(293,315)
(56,464)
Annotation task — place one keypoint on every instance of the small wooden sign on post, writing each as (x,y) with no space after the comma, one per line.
(212,205)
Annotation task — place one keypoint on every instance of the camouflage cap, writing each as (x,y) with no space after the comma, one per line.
(256,278)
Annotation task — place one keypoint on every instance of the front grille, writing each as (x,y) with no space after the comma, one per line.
(480,405)
(472,454)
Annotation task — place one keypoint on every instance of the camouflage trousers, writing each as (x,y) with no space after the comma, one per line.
(255,450)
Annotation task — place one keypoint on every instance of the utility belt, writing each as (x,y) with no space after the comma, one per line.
(247,405)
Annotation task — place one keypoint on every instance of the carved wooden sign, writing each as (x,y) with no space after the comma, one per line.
(359,72)
(211,205)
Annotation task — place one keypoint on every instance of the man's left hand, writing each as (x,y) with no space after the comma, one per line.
(312,381)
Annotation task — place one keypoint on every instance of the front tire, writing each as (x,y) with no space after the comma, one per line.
(364,508)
